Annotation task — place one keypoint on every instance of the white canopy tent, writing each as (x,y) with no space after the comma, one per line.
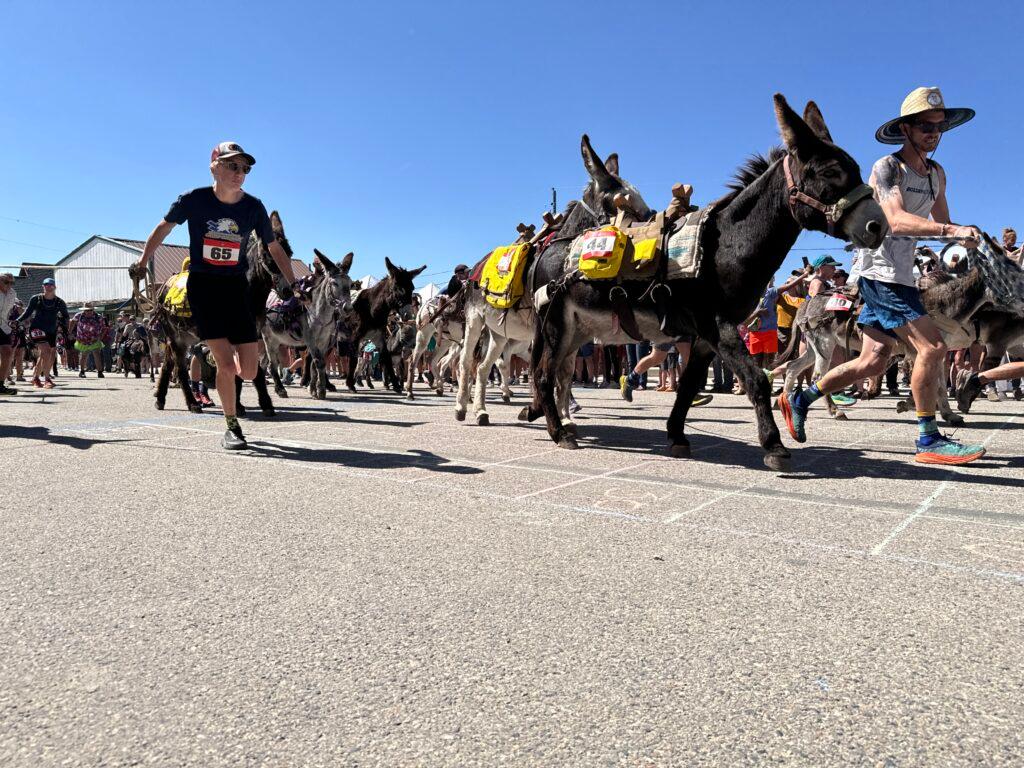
(428,291)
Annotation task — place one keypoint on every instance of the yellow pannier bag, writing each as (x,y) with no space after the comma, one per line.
(502,277)
(600,252)
(176,298)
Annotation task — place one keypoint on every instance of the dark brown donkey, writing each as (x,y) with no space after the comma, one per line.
(369,318)
(744,242)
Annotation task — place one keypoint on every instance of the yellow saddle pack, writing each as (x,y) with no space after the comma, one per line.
(176,297)
(502,276)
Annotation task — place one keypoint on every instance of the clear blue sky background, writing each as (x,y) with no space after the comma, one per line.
(426,131)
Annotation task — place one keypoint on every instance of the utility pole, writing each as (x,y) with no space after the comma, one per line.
(554,201)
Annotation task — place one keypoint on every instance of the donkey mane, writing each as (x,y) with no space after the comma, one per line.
(752,168)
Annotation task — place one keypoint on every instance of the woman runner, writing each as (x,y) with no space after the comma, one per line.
(220,220)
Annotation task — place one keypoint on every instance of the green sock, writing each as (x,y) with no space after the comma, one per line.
(232,423)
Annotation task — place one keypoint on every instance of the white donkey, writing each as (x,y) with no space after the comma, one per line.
(516,327)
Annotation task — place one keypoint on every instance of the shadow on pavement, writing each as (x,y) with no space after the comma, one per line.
(413,459)
(43,434)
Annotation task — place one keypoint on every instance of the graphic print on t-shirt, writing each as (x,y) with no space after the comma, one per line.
(222,243)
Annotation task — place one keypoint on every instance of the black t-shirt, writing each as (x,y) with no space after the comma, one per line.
(219,232)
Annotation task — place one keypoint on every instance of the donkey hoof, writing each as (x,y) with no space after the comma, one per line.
(840,416)
(483,420)
(506,399)
(572,429)
(159,405)
(194,408)
(902,407)
(439,392)
(460,415)
(282,392)
(410,396)
(524,414)
(679,450)
(778,462)
(954,420)
(568,442)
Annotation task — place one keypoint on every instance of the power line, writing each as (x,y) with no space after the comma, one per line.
(31,245)
(43,226)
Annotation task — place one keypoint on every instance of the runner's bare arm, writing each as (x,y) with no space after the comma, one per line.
(156,237)
(885,178)
(282,261)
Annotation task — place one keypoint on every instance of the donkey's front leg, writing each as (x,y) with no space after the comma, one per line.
(474,327)
(694,375)
(736,356)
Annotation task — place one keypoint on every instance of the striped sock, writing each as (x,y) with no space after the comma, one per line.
(810,394)
(926,426)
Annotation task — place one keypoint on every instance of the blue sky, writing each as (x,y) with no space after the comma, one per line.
(426,131)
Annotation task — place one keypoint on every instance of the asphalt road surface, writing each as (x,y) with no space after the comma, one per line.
(373,583)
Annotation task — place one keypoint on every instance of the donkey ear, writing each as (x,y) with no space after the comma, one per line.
(796,135)
(417,271)
(275,223)
(346,263)
(391,267)
(326,262)
(814,120)
(612,163)
(594,166)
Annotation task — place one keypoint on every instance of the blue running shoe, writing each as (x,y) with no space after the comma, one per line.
(842,400)
(795,414)
(939,449)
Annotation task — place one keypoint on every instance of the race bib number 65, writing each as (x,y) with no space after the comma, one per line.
(221,253)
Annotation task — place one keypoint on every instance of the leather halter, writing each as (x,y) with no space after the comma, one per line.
(833,213)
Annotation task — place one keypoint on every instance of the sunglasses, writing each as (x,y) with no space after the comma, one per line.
(231,165)
(924,126)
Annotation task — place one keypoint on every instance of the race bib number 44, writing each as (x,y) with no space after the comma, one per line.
(221,252)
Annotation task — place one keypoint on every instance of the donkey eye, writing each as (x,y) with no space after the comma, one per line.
(830,173)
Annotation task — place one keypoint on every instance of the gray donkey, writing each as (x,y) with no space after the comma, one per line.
(518,325)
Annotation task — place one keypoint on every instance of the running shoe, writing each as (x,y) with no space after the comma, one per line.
(626,389)
(943,450)
(37,383)
(99,374)
(5,390)
(574,407)
(81,374)
(969,388)
(993,394)
(700,400)
(842,400)
(1017,394)
(795,414)
(48,384)
(233,440)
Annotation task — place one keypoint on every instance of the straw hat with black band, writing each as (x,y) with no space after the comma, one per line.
(918,101)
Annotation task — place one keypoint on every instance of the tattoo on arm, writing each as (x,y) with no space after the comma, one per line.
(886,177)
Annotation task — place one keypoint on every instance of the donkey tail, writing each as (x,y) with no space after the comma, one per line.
(794,343)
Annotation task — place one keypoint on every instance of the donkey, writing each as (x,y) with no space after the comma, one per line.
(330,298)
(368,316)
(811,184)
(447,332)
(519,324)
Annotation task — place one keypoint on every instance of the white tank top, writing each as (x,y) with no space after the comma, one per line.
(893,261)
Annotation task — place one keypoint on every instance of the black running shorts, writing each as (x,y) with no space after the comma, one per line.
(221,308)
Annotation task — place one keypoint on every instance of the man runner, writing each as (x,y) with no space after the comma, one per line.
(48,314)
(220,220)
(910,187)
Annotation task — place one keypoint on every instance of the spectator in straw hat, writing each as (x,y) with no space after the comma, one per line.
(911,189)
